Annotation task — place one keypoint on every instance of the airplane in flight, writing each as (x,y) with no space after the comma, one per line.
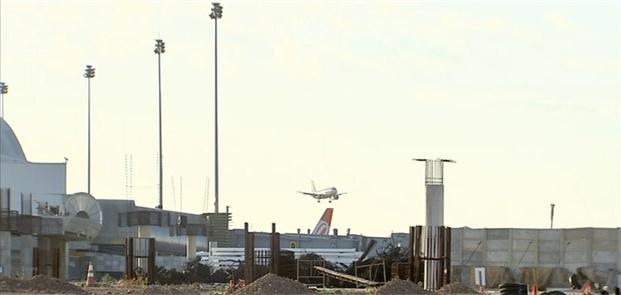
(323,226)
(328,193)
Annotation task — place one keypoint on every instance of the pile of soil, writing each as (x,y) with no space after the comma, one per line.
(273,284)
(169,290)
(397,286)
(457,288)
(38,284)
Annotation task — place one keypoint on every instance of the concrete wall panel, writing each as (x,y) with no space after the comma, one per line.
(569,248)
(577,233)
(549,259)
(549,234)
(605,245)
(527,259)
(525,234)
(501,257)
(522,245)
(476,234)
(576,257)
(549,246)
(471,245)
(578,245)
(498,234)
(604,234)
(494,245)
(607,257)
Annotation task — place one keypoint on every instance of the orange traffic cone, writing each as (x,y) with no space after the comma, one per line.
(533,290)
(90,277)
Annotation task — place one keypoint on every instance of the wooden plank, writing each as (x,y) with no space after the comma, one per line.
(346,277)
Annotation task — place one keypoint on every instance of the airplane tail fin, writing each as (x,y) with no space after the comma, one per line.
(323,226)
(313,187)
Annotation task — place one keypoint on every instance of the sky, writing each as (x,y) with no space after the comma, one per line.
(524,95)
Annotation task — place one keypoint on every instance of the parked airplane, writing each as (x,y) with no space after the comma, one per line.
(323,226)
(328,193)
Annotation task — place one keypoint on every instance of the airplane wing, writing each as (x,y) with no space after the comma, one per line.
(309,194)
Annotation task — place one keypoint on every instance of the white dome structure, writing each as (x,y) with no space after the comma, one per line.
(10,148)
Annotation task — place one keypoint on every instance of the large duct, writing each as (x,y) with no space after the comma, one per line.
(434,221)
(83,217)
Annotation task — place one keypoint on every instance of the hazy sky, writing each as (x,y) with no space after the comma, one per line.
(524,95)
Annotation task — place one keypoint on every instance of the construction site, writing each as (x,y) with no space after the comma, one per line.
(47,232)
(57,242)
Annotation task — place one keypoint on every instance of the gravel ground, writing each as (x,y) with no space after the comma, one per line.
(38,284)
(457,288)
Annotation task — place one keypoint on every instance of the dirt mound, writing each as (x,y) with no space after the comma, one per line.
(169,290)
(273,284)
(457,288)
(397,286)
(38,284)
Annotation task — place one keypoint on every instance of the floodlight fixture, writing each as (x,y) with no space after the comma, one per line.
(89,72)
(4,88)
(160,46)
(216,10)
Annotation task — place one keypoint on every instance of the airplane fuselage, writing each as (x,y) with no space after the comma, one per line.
(327,193)
(330,193)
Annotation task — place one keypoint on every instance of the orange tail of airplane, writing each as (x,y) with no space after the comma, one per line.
(323,226)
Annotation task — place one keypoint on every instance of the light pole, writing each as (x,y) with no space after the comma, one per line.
(89,73)
(159,50)
(216,13)
(4,89)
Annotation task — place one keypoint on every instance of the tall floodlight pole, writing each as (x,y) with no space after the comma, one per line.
(216,13)
(159,49)
(89,73)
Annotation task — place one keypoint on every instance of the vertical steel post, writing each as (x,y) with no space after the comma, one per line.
(418,263)
(411,253)
(441,255)
(151,261)
(447,249)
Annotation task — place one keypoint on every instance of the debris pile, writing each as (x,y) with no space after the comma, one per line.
(170,276)
(457,288)
(398,286)
(273,284)
(38,284)
(199,273)
(391,254)
(194,272)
